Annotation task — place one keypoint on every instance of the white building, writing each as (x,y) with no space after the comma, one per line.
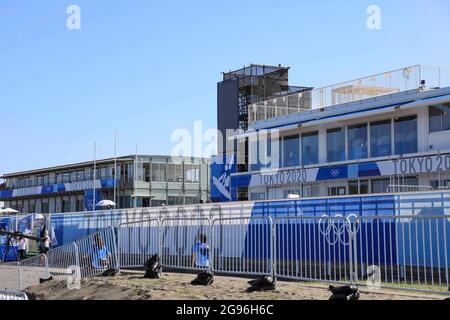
(379,134)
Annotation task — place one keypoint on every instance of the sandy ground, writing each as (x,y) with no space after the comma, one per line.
(173,286)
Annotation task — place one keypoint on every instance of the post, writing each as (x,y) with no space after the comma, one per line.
(94,176)
(115,168)
(135,179)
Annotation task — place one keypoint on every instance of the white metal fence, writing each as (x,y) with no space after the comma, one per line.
(243,245)
(403,251)
(86,257)
(137,242)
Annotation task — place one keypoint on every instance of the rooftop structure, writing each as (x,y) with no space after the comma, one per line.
(418,77)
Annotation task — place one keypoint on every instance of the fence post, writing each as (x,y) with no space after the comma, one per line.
(354,248)
(77,256)
(211,244)
(47,272)
(19,269)
(273,251)
(115,246)
(160,239)
(119,255)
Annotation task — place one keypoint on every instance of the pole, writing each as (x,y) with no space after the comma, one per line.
(94,176)
(115,167)
(135,178)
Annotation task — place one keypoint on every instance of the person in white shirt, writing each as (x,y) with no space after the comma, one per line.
(45,245)
(22,248)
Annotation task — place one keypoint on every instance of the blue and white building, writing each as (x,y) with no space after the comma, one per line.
(379,134)
(135,181)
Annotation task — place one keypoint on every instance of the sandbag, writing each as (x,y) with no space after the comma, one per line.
(262,284)
(203,279)
(153,268)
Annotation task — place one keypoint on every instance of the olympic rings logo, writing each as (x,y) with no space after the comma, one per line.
(339,229)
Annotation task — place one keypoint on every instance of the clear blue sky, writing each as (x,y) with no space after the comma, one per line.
(146,68)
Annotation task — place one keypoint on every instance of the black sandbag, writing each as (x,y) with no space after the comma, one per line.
(153,268)
(110,272)
(41,280)
(203,279)
(262,284)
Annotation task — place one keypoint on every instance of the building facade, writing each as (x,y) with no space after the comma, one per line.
(379,134)
(136,181)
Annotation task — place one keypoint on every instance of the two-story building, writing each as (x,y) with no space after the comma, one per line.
(130,181)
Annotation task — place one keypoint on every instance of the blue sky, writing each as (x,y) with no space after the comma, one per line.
(146,68)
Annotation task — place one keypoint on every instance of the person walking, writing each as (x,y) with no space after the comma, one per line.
(22,246)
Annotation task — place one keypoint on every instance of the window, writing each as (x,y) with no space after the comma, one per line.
(257,196)
(80,175)
(358,187)
(291,151)
(175,200)
(310,190)
(336,145)
(380,185)
(336,191)
(65,206)
(158,172)
(440,184)
(380,138)
(310,148)
(79,205)
(32,208)
(357,141)
(192,173)
(44,207)
(175,173)
(405,131)
(439,117)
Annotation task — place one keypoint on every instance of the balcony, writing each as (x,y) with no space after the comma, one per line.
(402,80)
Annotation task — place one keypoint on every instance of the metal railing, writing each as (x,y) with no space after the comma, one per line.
(230,245)
(407,188)
(403,252)
(137,242)
(401,80)
(87,257)
(314,248)
(243,245)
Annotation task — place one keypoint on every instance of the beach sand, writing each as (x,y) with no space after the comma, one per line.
(175,286)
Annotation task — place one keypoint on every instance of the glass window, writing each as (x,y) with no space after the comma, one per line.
(310,148)
(380,185)
(175,173)
(336,145)
(158,172)
(257,196)
(439,117)
(336,191)
(358,187)
(310,190)
(405,131)
(380,138)
(291,151)
(357,141)
(192,173)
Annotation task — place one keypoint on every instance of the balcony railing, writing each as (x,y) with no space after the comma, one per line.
(401,80)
